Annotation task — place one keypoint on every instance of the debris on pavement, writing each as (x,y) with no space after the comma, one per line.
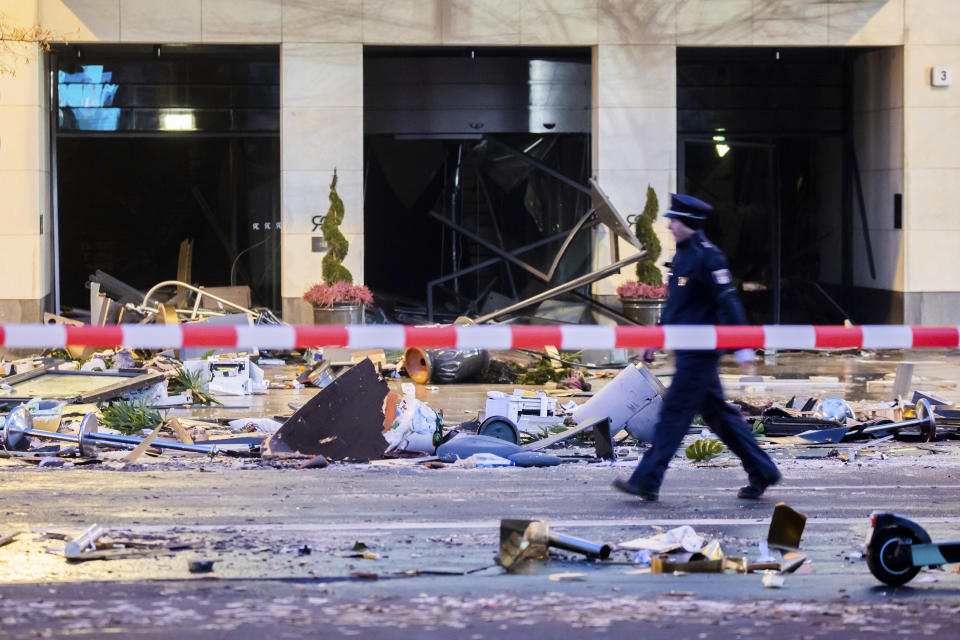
(445,366)
(83,543)
(316,462)
(632,401)
(569,576)
(483,460)
(343,421)
(534,459)
(695,563)
(200,566)
(319,375)
(7,538)
(772,580)
(228,374)
(786,528)
(527,411)
(416,426)
(704,449)
(524,541)
(683,537)
(464,445)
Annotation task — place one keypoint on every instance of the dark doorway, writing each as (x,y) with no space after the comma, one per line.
(468,138)
(761,136)
(155,149)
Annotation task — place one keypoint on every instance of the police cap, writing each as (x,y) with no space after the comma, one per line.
(688,210)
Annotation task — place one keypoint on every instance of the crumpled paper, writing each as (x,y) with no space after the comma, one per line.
(683,537)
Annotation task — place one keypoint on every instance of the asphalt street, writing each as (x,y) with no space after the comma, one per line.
(281,541)
(286,563)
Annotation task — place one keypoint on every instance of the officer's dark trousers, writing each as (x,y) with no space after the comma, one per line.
(696,389)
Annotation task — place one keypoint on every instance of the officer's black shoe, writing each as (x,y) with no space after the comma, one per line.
(753,490)
(626,487)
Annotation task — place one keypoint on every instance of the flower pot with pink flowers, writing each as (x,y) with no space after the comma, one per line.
(338,303)
(336,300)
(643,299)
(641,302)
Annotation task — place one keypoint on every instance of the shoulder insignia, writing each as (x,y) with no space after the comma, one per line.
(722,276)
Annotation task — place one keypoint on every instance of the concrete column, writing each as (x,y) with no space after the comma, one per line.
(25,239)
(932,164)
(321,129)
(634,137)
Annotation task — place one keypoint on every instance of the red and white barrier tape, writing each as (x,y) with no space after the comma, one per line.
(279,337)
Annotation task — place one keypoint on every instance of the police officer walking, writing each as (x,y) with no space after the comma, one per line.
(700,291)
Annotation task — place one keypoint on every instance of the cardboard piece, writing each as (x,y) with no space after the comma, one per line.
(134,455)
(786,528)
(659,565)
(342,356)
(343,421)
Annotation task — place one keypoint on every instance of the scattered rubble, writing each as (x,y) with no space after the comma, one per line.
(343,421)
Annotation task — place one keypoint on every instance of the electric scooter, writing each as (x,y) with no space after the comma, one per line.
(897,548)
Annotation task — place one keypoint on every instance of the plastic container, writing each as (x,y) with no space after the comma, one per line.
(490,460)
(632,401)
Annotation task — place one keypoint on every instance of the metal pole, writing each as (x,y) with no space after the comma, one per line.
(54,123)
(563,288)
(132,441)
(19,423)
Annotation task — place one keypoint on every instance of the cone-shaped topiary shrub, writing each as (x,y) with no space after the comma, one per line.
(332,269)
(647,270)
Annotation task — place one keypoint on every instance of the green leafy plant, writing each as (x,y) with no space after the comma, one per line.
(543,373)
(191,381)
(758,428)
(332,269)
(704,449)
(130,417)
(647,271)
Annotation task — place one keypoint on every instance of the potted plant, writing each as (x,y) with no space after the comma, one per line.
(336,300)
(643,298)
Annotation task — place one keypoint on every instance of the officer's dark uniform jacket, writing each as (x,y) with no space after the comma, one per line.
(700,289)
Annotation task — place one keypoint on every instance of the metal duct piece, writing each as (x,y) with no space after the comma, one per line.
(524,540)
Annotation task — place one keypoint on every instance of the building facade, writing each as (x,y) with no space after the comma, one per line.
(891,234)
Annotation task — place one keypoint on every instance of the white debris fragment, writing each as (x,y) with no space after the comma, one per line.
(772,580)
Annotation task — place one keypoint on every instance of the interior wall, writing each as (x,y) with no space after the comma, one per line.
(878,141)
(321,129)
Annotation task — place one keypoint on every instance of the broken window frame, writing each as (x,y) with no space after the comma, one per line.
(117,384)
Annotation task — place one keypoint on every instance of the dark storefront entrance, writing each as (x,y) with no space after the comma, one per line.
(155,145)
(764,134)
(462,145)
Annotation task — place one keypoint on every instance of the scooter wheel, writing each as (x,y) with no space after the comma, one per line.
(885,563)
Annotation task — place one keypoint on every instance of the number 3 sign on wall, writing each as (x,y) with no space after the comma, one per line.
(941,76)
